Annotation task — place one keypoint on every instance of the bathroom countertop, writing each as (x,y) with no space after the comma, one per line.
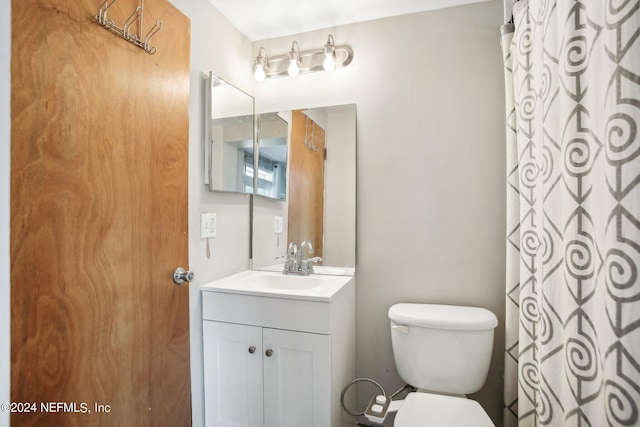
(314,287)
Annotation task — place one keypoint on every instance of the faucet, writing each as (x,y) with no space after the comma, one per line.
(306,264)
(296,262)
(291,261)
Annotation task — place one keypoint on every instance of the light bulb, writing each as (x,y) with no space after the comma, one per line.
(329,63)
(294,68)
(259,73)
(261,65)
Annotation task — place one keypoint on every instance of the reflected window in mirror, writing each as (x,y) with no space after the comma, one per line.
(273,138)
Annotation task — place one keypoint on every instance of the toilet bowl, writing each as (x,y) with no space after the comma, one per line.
(434,410)
(444,351)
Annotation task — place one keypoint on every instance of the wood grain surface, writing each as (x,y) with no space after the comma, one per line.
(99,156)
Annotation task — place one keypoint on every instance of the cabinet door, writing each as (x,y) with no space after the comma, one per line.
(297,379)
(232,375)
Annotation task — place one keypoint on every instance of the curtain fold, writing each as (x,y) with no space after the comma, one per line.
(513,239)
(572,73)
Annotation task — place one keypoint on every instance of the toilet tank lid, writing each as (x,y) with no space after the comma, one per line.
(440,316)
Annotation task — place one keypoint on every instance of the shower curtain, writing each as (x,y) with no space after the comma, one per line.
(572,75)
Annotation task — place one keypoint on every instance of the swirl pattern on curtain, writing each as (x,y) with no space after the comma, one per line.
(572,78)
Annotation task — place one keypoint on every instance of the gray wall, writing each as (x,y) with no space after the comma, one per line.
(431,204)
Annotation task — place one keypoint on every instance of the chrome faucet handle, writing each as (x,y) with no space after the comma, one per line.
(307,264)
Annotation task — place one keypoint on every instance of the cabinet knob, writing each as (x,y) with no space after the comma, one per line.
(268,352)
(252,349)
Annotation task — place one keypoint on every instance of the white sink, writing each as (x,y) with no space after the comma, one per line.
(276,284)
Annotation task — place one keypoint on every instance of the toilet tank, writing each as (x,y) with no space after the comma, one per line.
(442,348)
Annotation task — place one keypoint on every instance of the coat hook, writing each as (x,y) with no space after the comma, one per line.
(152,32)
(101,17)
(129,22)
(125,31)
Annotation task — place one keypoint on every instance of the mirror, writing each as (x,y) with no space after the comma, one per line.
(320,201)
(229,137)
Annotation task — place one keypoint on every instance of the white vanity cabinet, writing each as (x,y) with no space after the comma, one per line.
(232,375)
(277,361)
(266,377)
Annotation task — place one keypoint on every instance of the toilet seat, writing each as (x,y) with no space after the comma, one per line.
(435,410)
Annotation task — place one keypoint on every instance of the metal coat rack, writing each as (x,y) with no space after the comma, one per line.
(126,30)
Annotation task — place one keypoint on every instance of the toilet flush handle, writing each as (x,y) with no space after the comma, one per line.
(400,328)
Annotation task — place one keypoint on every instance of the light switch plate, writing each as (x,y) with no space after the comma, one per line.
(208,225)
(278,224)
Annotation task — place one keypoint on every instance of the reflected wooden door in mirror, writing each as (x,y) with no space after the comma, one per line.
(306,176)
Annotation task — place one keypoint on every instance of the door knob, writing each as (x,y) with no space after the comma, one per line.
(252,349)
(268,352)
(181,275)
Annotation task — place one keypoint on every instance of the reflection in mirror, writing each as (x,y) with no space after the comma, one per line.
(320,203)
(229,137)
(273,137)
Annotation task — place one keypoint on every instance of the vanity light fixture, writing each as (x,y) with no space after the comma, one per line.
(261,65)
(296,62)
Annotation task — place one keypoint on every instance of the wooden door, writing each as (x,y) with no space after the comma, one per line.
(297,379)
(99,156)
(232,375)
(306,182)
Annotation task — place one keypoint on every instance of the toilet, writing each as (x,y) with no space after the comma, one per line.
(444,351)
